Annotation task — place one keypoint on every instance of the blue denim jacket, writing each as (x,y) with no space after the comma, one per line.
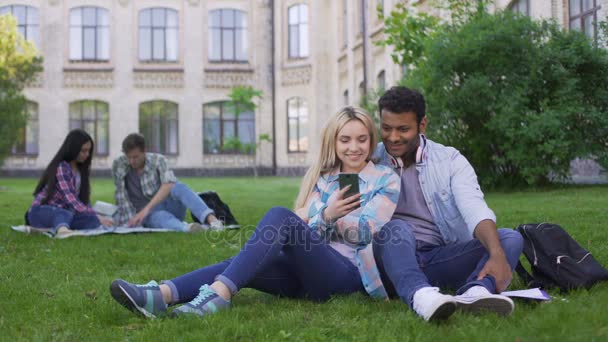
(450,188)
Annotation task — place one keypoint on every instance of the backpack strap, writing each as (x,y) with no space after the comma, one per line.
(525,276)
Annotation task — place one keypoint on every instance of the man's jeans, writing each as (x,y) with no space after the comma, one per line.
(283,257)
(48,216)
(404,270)
(171,212)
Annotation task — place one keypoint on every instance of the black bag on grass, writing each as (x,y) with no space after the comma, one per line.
(221,209)
(556,259)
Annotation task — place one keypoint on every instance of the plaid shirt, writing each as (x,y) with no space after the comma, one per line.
(66,193)
(379,187)
(156,172)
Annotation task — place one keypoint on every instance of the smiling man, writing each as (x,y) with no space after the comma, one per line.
(443,234)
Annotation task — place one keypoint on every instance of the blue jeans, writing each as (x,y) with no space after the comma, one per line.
(171,212)
(283,257)
(404,270)
(48,216)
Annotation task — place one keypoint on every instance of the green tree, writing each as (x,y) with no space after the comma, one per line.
(243,99)
(519,98)
(19,63)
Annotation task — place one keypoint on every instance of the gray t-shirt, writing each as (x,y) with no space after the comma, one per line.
(412,208)
(136,195)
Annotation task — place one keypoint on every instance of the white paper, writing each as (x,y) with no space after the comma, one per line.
(104,208)
(535,293)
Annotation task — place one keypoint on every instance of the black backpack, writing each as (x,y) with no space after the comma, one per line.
(556,259)
(221,209)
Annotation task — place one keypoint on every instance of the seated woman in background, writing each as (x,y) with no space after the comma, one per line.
(322,250)
(62,196)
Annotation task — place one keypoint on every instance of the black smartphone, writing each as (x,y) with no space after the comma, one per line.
(351,179)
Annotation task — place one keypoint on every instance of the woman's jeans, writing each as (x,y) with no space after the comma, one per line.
(285,257)
(48,216)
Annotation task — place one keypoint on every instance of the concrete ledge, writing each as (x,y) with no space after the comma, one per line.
(183,172)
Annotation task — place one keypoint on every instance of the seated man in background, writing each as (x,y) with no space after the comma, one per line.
(148,193)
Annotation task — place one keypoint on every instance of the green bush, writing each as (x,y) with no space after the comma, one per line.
(519,98)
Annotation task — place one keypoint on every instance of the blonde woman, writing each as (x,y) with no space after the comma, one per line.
(322,250)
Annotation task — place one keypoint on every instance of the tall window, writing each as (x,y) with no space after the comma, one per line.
(583,16)
(361,91)
(381,80)
(158,124)
(345,98)
(27,21)
(298,31)
(93,117)
(158,28)
(520,6)
(297,118)
(27,139)
(89,34)
(228,35)
(225,132)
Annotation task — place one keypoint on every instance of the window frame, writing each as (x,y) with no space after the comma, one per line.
(298,26)
(97,28)
(27,27)
(580,17)
(22,138)
(235,121)
(163,119)
(514,7)
(152,28)
(97,122)
(302,102)
(242,26)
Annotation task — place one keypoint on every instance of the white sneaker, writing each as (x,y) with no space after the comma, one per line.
(478,299)
(64,232)
(196,227)
(216,225)
(432,305)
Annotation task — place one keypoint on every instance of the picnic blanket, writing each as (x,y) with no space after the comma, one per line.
(92,232)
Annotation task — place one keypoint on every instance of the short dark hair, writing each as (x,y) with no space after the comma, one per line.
(133,141)
(400,99)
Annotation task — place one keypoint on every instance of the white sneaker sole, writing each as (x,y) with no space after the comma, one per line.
(443,312)
(500,305)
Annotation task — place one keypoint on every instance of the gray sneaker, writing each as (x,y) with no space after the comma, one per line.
(145,300)
(207,302)
(196,227)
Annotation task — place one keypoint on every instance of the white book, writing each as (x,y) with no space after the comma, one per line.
(535,293)
(105,208)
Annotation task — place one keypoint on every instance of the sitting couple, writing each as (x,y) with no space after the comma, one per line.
(419,223)
(147,192)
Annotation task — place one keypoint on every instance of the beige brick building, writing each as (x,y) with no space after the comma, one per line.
(165,68)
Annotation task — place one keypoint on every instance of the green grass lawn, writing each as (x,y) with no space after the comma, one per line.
(58,289)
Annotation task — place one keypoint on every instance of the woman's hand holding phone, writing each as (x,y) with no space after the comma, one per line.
(341,206)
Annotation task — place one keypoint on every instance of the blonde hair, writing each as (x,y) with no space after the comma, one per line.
(327,158)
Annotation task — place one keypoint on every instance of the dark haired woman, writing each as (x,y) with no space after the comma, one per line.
(62,196)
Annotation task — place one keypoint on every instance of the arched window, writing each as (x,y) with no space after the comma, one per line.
(27,21)
(27,138)
(226,132)
(89,34)
(297,124)
(298,31)
(520,6)
(227,35)
(158,123)
(158,41)
(92,116)
(381,80)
